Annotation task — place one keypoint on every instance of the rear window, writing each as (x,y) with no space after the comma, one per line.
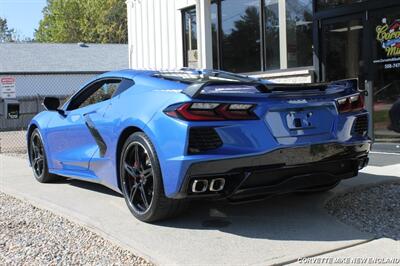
(198,76)
(229,88)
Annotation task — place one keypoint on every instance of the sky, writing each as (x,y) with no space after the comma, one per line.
(22,15)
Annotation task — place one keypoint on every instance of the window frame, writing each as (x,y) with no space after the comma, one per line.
(283,65)
(184,41)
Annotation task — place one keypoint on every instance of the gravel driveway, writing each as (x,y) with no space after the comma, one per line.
(13,141)
(31,236)
(373,209)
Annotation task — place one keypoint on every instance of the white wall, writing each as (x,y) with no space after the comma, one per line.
(155,33)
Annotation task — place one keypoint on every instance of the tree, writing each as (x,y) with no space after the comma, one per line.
(6,34)
(91,21)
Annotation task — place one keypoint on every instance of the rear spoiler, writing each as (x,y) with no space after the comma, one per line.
(196,90)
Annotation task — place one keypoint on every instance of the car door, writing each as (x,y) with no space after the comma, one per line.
(73,138)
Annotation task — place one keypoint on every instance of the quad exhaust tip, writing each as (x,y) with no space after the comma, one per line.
(202,185)
(217,184)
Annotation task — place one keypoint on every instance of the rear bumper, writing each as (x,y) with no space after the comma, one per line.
(279,171)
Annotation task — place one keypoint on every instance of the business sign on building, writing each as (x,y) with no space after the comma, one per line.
(388,37)
(7,88)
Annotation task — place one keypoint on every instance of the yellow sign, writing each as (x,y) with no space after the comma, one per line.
(389,37)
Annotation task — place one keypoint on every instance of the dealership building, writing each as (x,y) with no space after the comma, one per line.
(282,40)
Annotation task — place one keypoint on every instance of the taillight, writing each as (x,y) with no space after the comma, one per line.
(212,111)
(351,103)
(357,102)
(198,112)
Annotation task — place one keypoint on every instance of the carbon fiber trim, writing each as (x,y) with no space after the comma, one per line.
(96,135)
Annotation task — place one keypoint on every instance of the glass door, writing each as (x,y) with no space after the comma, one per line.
(342,48)
(366,45)
(385,75)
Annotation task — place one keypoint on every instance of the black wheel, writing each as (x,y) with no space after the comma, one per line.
(141,181)
(318,189)
(38,160)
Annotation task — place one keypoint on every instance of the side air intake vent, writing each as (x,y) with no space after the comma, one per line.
(202,139)
(360,127)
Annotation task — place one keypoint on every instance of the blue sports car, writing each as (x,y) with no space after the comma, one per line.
(162,138)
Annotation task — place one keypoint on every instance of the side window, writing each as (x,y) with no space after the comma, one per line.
(97,92)
(123,86)
(103,93)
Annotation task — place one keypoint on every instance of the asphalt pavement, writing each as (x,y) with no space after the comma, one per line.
(384,154)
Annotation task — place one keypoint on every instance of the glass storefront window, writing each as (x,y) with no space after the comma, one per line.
(190,37)
(299,19)
(367,49)
(240,25)
(342,48)
(214,32)
(239,44)
(325,4)
(386,80)
(272,34)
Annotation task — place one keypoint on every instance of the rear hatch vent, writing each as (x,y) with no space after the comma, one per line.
(203,139)
(360,126)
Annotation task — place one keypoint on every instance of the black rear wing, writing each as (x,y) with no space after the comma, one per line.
(198,89)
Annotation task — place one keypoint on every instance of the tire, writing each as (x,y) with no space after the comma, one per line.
(318,189)
(141,181)
(38,159)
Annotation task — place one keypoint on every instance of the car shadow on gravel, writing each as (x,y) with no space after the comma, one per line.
(300,217)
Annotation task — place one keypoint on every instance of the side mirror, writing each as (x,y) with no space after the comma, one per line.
(51,103)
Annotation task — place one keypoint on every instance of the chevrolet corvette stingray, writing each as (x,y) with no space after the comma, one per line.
(162,138)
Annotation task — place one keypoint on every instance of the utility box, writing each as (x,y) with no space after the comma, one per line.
(11,109)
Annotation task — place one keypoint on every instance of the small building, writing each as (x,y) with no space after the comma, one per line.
(282,40)
(31,71)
